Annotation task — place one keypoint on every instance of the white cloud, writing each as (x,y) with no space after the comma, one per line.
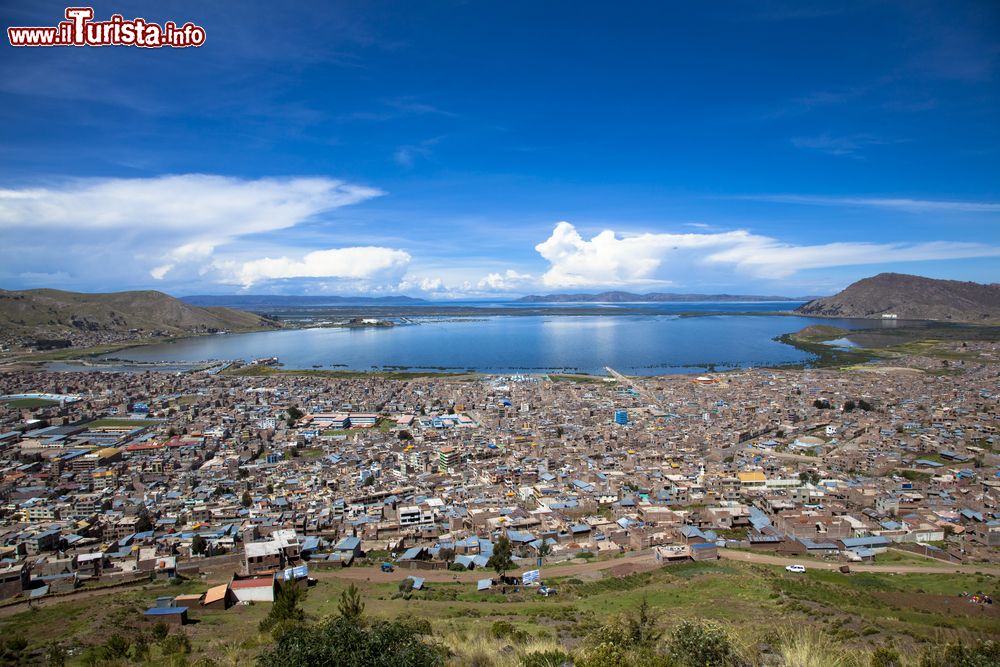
(360,263)
(210,207)
(898,203)
(127,230)
(609,259)
(421,284)
(509,280)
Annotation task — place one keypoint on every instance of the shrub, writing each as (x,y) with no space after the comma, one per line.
(553,658)
(507,630)
(884,656)
(344,642)
(695,644)
(981,654)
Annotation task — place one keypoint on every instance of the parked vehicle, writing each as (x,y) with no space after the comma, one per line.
(387,567)
(798,569)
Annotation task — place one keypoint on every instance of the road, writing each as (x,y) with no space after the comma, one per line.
(811,563)
(636,562)
(625,380)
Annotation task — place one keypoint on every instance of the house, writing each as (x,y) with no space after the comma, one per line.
(253,589)
(349,548)
(259,557)
(169,615)
(219,597)
(13,580)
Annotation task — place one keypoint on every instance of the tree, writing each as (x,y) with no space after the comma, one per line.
(143,524)
(285,609)
(404,435)
(340,641)
(246,500)
(198,545)
(501,560)
(849,405)
(544,549)
(351,607)
(642,630)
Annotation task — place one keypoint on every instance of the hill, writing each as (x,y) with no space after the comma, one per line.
(910,297)
(652,297)
(51,312)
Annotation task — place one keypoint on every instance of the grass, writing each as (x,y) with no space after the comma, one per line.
(30,403)
(756,602)
(121,423)
(897,557)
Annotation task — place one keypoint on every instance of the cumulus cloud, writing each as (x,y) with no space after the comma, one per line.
(609,259)
(422,284)
(360,263)
(509,280)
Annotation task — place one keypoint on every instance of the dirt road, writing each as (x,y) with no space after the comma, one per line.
(811,563)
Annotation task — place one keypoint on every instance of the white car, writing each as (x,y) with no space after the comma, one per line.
(798,569)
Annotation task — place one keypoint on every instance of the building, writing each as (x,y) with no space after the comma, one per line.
(448,459)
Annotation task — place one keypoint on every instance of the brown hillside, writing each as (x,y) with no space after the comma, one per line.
(911,297)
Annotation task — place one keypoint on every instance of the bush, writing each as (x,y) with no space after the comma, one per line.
(506,630)
(885,656)
(546,659)
(456,567)
(344,642)
(695,644)
(981,654)
(177,644)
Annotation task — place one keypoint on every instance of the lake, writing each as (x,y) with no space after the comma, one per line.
(634,344)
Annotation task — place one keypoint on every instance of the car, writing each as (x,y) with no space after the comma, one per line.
(387,567)
(798,569)
(546,591)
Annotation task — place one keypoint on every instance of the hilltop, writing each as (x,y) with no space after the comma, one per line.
(54,313)
(652,297)
(910,297)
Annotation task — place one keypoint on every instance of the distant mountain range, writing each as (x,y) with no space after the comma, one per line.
(50,312)
(270,301)
(910,297)
(653,297)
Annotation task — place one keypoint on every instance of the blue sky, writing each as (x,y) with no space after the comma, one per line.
(480,149)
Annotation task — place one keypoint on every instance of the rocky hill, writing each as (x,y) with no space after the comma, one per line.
(911,297)
(53,313)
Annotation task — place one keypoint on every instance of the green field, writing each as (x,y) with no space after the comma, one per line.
(121,423)
(30,403)
(756,603)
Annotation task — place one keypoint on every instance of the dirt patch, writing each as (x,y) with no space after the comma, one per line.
(624,570)
(951,605)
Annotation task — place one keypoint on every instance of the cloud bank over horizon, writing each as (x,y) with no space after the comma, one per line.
(201,232)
